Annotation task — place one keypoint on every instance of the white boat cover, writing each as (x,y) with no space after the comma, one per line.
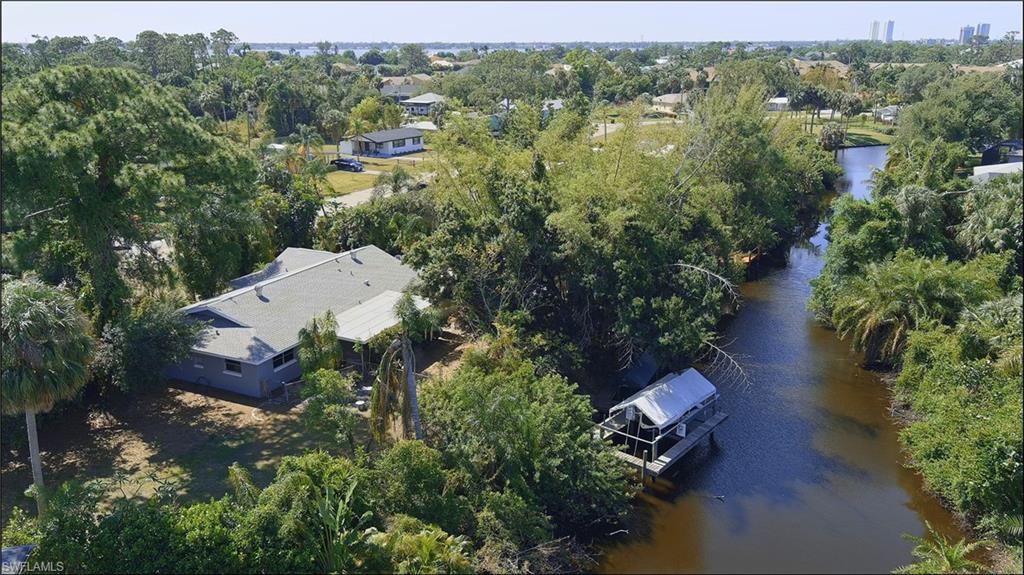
(669,398)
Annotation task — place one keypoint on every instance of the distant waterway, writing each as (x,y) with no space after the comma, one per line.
(807,474)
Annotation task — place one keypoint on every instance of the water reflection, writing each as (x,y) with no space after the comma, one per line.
(807,475)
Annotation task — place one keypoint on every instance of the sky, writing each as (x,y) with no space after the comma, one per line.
(506,21)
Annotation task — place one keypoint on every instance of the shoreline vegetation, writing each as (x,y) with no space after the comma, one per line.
(925,280)
(562,257)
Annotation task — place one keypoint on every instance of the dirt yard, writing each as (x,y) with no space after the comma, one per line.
(181,435)
(171,434)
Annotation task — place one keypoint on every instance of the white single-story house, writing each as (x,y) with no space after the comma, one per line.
(422,104)
(666,103)
(993,171)
(250,346)
(385,143)
(779,104)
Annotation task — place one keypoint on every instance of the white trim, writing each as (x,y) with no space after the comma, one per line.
(283,365)
(211,354)
(229,372)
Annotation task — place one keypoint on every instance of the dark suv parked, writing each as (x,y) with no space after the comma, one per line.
(348,165)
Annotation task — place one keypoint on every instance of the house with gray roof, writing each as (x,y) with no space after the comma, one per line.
(422,105)
(384,143)
(399,92)
(250,344)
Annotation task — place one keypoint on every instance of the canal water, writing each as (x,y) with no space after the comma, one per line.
(806,474)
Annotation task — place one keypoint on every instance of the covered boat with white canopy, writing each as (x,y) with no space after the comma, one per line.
(668,416)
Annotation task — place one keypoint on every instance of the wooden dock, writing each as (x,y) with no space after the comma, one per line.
(677,451)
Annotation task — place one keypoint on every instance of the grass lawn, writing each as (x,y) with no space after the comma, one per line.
(347,182)
(861,131)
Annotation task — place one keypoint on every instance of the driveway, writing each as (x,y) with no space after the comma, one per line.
(353,199)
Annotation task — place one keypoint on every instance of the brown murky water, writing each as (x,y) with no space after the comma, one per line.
(807,474)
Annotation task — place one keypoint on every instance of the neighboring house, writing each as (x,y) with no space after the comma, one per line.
(422,105)
(888,114)
(385,143)
(993,171)
(410,80)
(780,104)
(251,344)
(400,92)
(547,107)
(666,103)
(550,107)
(442,64)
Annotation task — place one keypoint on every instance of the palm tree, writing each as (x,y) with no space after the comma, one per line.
(395,387)
(307,137)
(392,183)
(938,555)
(46,351)
(315,171)
(899,295)
(319,347)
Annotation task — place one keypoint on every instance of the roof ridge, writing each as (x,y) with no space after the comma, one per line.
(237,292)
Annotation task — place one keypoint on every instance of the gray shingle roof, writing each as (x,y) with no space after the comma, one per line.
(289,260)
(390,135)
(399,90)
(262,320)
(428,98)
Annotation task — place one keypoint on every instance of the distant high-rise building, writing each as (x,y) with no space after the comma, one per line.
(966,33)
(982,30)
(888,31)
(874,30)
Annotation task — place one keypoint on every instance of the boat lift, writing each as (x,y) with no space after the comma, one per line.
(661,423)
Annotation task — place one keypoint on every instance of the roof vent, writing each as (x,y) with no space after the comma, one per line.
(366,282)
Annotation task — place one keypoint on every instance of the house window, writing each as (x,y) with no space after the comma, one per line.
(397,143)
(197,362)
(379,145)
(232,367)
(284,359)
(417,140)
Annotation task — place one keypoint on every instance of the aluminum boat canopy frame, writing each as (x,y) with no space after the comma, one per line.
(680,408)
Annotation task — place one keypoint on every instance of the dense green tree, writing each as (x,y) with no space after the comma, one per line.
(133,350)
(993,215)
(328,410)
(103,159)
(536,442)
(413,58)
(978,110)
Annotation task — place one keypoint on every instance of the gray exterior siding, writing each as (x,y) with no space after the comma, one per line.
(249,383)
